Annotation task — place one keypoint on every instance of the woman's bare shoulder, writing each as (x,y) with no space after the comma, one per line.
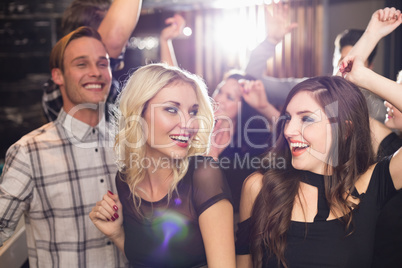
(251,188)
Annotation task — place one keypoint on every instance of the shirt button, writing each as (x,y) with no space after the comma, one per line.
(96,149)
(93,131)
(101,180)
(109,243)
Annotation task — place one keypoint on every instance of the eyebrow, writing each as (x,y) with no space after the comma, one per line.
(302,112)
(178,104)
(86,57)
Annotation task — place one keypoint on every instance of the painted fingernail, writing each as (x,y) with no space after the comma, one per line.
(109,192)
(116,216)
(115,208)
(113,219)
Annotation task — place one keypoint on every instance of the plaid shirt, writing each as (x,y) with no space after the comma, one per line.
(54,176)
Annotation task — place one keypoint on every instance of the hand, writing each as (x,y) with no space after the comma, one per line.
(254,94)
(175,27)
(351,68)
(107,215)
(384,21)
(221,136)
(277,23)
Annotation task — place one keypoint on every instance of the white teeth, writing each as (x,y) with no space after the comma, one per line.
(298,144)
(180,138)
(93,86)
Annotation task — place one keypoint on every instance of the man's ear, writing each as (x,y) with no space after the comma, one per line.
(57,76)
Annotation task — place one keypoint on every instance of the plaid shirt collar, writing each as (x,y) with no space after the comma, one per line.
(79,131)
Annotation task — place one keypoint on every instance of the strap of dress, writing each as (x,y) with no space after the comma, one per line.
(322,206)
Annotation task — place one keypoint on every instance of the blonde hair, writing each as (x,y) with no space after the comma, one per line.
(140,88)
(399,77)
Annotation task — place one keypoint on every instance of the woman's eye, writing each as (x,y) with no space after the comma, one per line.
(194,112)
(171,110)
(307,119)
(231,98)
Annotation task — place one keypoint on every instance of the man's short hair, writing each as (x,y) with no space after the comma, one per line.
(84,13)
(349,37)
(57,54)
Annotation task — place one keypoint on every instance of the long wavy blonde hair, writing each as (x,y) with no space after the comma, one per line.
(140,88)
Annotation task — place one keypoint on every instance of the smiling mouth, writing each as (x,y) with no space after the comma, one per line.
(181,140)
(93,86)
(298,148)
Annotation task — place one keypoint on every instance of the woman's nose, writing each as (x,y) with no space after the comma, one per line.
(292,129)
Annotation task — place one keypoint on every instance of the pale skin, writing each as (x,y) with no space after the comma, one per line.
(382,22)
(170,32)
(118,24)
(85,80)
(394,116)
(254,94)
(277,22)
(305,208)
(174,114)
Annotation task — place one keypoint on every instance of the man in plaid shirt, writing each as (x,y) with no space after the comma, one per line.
(56,174)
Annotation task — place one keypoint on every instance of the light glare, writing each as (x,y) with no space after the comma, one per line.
(187,31)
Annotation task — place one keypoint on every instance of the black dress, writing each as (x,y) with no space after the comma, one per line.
(388,240)
(168,234)
(325,243)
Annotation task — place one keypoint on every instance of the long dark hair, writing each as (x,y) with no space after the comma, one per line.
(350,155)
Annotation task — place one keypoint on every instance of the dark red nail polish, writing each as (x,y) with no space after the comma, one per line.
(113,219)
(110,192)
(115,208)
(116,216)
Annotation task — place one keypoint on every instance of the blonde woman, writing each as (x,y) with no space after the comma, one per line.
(175,203)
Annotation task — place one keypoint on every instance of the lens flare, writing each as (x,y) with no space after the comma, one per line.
(170,226)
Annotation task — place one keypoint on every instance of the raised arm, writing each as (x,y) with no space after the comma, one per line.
(382,22)
(255,95)
(173,30)
(353,69)
(278,26)
(118,24)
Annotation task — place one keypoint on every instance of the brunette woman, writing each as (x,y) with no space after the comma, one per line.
(321,208)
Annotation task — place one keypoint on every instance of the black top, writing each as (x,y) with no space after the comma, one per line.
(169,235)
(388,239)
(325,243)
(389,145)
